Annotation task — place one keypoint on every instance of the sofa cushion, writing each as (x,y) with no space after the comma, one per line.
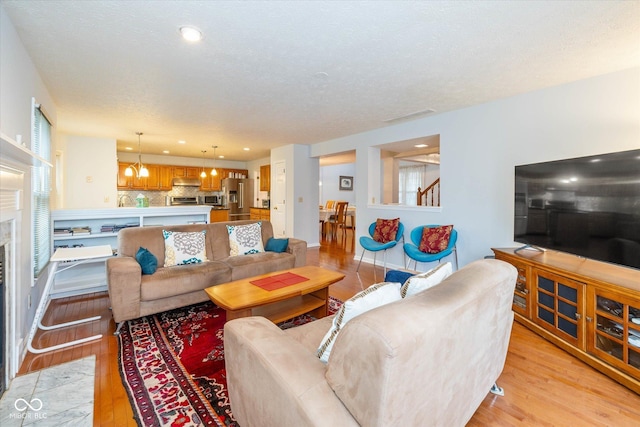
(245,239)
(435,239)
(260,263)
(148,261)
(182,279)
(184,247)
(386,230)
(424,281)
(276,245)
(374,296)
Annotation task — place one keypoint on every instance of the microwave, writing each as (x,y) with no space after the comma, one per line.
(212,200)
(266,204)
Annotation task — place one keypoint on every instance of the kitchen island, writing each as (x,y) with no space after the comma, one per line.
(94,227)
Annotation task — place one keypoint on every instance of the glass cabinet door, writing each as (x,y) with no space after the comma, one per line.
(616,332)
(521,293)
(559,306)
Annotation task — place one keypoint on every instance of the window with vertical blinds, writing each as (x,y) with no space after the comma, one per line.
(41,189)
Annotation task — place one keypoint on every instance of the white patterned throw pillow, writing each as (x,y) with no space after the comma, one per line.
(424,281)
(374,296)
(184,247)
(245,239)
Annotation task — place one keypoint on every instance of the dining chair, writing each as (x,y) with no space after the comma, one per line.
(338,220)
(329,204)
(412,249)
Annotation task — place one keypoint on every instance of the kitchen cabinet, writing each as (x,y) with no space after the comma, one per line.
(265,178)
(124,182)
(588,308)
(160,177)
(258,214)
(211,182)
(219,215)
(186,171)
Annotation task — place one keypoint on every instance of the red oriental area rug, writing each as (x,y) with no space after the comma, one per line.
(172,366)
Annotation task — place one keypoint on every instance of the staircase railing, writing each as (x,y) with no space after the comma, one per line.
(429,193)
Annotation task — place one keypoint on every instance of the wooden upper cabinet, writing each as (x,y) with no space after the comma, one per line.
(160,177)
(166,177)
(186,172)
(265,178)
(211,183)
(124,182)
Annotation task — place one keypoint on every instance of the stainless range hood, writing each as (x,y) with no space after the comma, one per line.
(186,182)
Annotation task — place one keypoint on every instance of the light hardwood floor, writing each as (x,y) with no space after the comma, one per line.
(544,386)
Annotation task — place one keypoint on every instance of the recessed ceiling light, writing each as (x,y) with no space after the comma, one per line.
(165,151)
(128,148)
(421,145)
(191,34)
(182,142)
(221,157)
(246,148)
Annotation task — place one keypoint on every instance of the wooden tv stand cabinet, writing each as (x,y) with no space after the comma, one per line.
(588,308)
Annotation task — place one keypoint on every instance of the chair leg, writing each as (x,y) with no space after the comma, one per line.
(495,389)
(455,253)
(360,260)
(117,331)
(384,260)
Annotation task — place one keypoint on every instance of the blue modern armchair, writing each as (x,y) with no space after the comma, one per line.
(414,253)
(368,244)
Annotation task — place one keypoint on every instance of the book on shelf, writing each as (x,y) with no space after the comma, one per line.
(80,230)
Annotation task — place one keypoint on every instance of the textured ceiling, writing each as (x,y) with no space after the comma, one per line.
(268,74)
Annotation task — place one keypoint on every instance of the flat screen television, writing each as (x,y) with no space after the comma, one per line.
(587,206)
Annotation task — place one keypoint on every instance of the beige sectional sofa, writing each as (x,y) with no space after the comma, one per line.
(134,295)
(427,360)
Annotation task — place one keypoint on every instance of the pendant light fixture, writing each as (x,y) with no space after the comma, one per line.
(139,168)
(214,172)
(203,174)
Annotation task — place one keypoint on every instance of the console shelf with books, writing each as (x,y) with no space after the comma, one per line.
(589,308)
(94,227)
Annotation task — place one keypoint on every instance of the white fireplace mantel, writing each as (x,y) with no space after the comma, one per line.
(15,151)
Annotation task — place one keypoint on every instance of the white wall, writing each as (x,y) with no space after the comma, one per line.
(330,178)
(254,172)
(19,83)
(90,172)
(481,145)
(302,192)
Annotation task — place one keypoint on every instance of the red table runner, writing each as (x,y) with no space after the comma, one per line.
(278,281)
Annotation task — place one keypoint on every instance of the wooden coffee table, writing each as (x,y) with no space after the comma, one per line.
(241,298)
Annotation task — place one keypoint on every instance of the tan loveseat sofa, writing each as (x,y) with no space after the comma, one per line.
(427,360)
(134,295)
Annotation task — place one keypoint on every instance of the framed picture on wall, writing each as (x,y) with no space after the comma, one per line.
(346,183)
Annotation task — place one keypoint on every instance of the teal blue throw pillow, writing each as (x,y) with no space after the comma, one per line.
(147,261)
(276,245)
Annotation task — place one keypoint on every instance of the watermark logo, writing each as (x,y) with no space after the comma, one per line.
(22,405)
(35,405)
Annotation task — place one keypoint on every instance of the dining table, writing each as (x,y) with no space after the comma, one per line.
(324,215)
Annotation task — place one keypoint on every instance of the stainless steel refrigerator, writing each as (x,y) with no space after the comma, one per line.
(238,195)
